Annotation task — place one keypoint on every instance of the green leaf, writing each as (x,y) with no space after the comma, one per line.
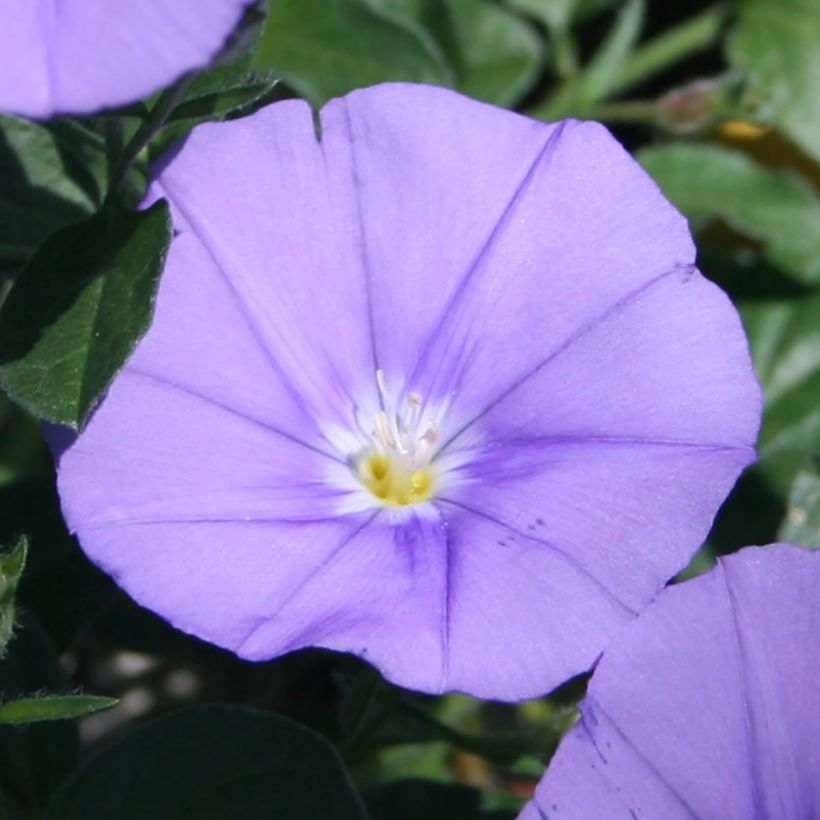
(36,758)
(12,564)
(781,320)
(50,176)
(211,763)
(776,208)
(325,48)
(560,15)
(52,707)
(776,45)
(227,87)
(495,56)
(785,337)
(802,522)
(78,310)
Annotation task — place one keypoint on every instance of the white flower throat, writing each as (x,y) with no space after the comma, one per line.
(396,465)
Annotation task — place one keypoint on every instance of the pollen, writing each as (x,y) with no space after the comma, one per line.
(390,480)
(396,464)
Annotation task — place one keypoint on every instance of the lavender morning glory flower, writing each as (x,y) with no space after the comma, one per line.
(78,56)
(706,706)
(441,388)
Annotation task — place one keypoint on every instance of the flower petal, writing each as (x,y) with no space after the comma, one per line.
(208,419)
(382,596)
(424,176)
(707,705)
(668,362)
(259,197)
(481,250)
(523,614)
(78,56)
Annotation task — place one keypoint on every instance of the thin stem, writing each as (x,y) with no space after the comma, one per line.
(566,54)
(661,52)
(166,103)
(692,36)
(114,145)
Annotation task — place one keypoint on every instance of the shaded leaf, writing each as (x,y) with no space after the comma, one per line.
(211,763)
(376,715)
(60,585)
(49,179)
(495,56)
(52,707)
(785,341)
(776,46)
(774,207)
(12,564)
(325,48)
(34,759)
(426,800)
(802,522)
(781,319)
(79,308)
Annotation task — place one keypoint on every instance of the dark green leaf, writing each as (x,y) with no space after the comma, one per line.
(50,178)
(231,88)
(34,759)
(78,310)
(325,48)
(227,87)
(211,763)
(52,707)
(559,15)
(11,569)
(776,45)
(376,715)
(802,522)
(495,56)
(60,585)
(785,339)
(776,208)
(426,800)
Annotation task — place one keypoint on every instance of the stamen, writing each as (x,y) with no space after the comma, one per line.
(396,466)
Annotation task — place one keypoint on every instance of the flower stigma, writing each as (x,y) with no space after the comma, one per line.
(396,465)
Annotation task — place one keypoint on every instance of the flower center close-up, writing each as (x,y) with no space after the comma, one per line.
(396,463)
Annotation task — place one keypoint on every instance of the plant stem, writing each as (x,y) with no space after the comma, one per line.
(694,35)
(166,103)
(573,97)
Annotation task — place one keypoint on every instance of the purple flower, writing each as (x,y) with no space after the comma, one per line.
(442,389)
(706,706)
(78,56)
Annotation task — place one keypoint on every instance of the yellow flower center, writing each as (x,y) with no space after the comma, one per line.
(390,478)
(396,465)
